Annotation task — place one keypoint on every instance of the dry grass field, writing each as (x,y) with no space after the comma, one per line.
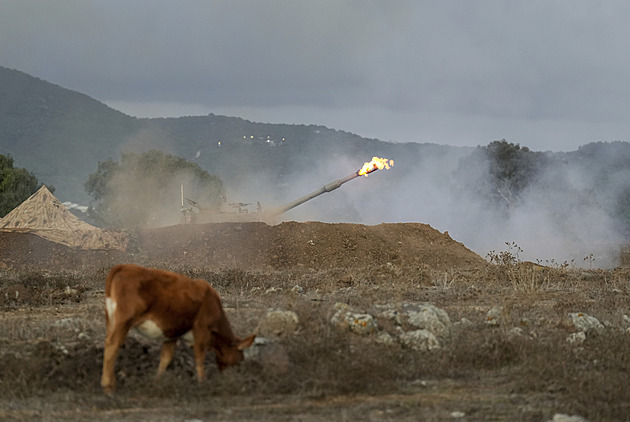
(513,350)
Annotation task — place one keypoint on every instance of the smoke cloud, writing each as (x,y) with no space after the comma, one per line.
(565,215)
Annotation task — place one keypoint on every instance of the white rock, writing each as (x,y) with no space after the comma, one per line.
(278,322)
(422,340)
(586,323)
(391,314)
(494,316)
(359,323)
(428,317)
(576,338)
(385,338)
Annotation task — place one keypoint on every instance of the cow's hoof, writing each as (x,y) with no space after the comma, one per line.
(109,389)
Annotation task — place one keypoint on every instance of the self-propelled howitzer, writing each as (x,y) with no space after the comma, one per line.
(324,189)
(197,214)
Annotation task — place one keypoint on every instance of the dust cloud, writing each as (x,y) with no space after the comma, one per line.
(566,215)
(152,201)
(151,184)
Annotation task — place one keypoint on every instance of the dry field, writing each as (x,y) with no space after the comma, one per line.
(526,360)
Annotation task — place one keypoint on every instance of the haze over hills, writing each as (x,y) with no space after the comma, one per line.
(574,206)
(60,135)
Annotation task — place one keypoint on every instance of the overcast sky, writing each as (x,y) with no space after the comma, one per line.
(550,75)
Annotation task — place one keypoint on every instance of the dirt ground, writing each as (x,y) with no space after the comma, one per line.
(255,246)
(521,366)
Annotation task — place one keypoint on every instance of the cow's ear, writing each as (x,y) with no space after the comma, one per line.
(244,344)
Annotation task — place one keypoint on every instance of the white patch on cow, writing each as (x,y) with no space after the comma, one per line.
(110,307)
(151,330)
(189,338)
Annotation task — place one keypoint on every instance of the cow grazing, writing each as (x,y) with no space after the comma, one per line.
(166,306)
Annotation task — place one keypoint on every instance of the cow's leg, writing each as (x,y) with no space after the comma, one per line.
(200,355)
(114,339)
(166,355)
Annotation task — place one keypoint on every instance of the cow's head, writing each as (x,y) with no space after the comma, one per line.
(231,353)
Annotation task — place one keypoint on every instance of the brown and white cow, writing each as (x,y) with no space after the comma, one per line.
(166,306)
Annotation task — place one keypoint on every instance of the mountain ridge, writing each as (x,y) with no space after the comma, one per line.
(61,135)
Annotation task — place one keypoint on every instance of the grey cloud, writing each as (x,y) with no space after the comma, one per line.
(534,62)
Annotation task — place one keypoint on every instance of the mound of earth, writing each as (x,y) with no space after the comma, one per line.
(26,250)
(311,245)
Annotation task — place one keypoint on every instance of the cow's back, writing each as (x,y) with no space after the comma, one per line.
(170,300)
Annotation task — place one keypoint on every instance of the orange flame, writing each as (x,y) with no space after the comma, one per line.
(375,164)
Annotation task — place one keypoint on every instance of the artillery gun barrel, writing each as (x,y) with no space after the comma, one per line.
(326,188)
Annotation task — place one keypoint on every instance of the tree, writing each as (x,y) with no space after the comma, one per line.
(143,190)
(499,172)
(16,185)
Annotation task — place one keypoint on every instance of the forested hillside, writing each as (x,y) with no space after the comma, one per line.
(56,133)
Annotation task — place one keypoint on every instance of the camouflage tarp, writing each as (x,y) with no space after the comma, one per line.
(42,214)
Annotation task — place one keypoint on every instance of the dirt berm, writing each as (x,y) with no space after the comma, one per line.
(310,245)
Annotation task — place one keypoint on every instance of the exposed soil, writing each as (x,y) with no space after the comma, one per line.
(250,246)
(52,329)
